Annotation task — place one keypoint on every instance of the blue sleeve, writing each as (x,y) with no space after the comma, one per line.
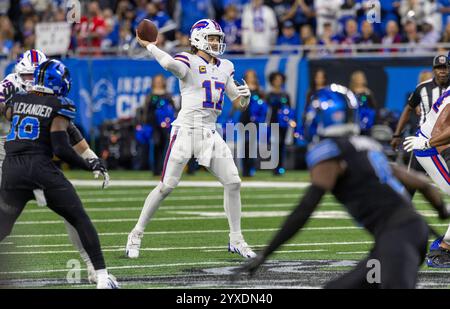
(325,150)
(67,108)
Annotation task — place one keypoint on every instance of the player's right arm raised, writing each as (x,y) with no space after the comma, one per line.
(164,59)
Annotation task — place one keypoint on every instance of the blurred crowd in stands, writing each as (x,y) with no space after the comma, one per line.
(141,142)
(251,26)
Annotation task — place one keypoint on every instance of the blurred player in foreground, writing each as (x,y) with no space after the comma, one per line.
(354,169)
(21,81)
(204,79)
(39,122)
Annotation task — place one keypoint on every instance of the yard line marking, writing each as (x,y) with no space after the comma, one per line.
(118,267)
(326,228)
(176,207)
(159,249)
(281,251)
(201,184)
(177,191)
(237,263)
(208,215)
(204,216)
(163,208)
(183,198)
(188,232)
(354,252)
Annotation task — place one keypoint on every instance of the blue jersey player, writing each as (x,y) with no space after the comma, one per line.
(354,169)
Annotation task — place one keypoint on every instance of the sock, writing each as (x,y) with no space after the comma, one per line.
(75,239)
(102,275)
(152,202)
(232,207)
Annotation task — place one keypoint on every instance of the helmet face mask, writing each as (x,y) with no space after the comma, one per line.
(201,36)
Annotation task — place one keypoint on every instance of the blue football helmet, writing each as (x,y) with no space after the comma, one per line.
(52,77)
(333,111)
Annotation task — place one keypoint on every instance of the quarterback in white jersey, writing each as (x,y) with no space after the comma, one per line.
(22,81)
(204,80)
(431,146)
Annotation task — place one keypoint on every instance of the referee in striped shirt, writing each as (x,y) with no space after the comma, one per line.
(424,96)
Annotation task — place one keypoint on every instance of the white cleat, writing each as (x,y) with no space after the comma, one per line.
(92,274)
(109,284)
(241,248)
(133,245)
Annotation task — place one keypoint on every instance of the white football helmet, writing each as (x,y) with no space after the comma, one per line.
(199,36)
(26,65)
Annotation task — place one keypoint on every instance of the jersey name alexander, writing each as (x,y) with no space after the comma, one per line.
(32,109)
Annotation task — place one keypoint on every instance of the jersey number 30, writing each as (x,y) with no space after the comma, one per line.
(208,103)
(27,129)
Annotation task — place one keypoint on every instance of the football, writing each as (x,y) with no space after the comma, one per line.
(147,30)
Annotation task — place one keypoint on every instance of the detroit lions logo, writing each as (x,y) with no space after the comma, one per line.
(103,94)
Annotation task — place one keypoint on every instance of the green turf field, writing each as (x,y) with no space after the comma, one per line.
(186,243)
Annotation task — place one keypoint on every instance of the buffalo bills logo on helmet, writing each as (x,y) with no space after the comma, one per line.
(200,25)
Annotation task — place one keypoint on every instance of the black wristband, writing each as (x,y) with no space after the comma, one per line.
(396,135)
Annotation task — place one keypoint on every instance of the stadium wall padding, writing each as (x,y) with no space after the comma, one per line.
(390,79)
(112,88)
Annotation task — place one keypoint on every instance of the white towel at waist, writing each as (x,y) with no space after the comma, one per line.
(206,147)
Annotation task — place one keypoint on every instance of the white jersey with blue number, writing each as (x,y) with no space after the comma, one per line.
(433,115)
(203,89)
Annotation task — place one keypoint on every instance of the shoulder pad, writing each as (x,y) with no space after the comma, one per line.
(66,101)
(325,150)
(67,108)
(227,66)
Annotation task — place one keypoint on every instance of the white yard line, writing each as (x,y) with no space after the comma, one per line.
(177,191)
(186,232)
(209,215)
(354,252)
(167,206)
(197,248)
(224,264)
(185,198)
(280,251)
(201,184)
(114,267)
(104,234)
(202,216)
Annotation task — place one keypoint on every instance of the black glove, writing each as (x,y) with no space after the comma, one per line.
(8,91)
(98,167)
